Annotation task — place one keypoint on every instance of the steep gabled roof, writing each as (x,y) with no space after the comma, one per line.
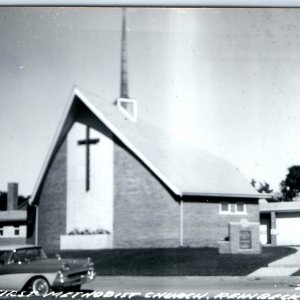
(183,168)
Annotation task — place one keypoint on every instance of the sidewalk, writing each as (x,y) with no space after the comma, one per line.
(285,266)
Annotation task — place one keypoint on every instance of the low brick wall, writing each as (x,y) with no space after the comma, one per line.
(224,247)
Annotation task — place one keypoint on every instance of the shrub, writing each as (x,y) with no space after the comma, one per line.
(88,231)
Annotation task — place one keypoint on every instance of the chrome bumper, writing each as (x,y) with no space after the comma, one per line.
(69,280)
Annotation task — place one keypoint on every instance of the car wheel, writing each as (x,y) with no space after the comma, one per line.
(40,286)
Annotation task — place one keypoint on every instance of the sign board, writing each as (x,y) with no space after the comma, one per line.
(245,239)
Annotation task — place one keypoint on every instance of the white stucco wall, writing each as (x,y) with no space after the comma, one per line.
(9,231)
(91,209)
(86,242)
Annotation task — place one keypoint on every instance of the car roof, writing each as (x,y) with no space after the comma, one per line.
(16,247)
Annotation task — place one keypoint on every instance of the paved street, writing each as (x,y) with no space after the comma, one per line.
(193,288)
(211,285)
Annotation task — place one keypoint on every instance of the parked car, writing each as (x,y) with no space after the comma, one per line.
(28,268)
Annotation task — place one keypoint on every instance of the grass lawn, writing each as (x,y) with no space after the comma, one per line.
(177,261)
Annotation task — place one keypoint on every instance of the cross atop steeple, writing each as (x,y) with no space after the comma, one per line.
(126,105)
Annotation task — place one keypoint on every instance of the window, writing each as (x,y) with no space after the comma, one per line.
(28,254)
(17,230)
(1,231)
(232,208)
(224,206)
(4,257)
(128,107)
(240,207)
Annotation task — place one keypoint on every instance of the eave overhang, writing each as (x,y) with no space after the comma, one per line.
(227,195)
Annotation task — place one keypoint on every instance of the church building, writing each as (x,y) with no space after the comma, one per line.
(112,180)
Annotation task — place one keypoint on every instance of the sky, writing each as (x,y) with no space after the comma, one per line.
(226,80)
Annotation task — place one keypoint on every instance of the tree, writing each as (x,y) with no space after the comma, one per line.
(290,186)
(253,182)
(263,187)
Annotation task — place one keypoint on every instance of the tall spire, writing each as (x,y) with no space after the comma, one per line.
(125,104)
(124,71)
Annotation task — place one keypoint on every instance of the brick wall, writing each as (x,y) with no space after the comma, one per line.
(273,227)
(31,230)
(204,226)
(52,203)
(12,241)
(145,213)
(251,230)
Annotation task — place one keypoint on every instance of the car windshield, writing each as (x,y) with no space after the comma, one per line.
(28,254)
(4,256)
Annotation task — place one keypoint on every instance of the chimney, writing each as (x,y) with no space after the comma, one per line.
(12,196)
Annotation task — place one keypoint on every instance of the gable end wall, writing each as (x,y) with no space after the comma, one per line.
(52,203)
(145,213)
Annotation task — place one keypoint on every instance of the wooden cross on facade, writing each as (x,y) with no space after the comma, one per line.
(87,142)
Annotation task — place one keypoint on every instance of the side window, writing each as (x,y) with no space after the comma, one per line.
(15,258)
(241,207)
(232,208)
(225,207)
(17,230)
(20,256)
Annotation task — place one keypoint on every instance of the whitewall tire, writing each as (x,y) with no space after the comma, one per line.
(40,286)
